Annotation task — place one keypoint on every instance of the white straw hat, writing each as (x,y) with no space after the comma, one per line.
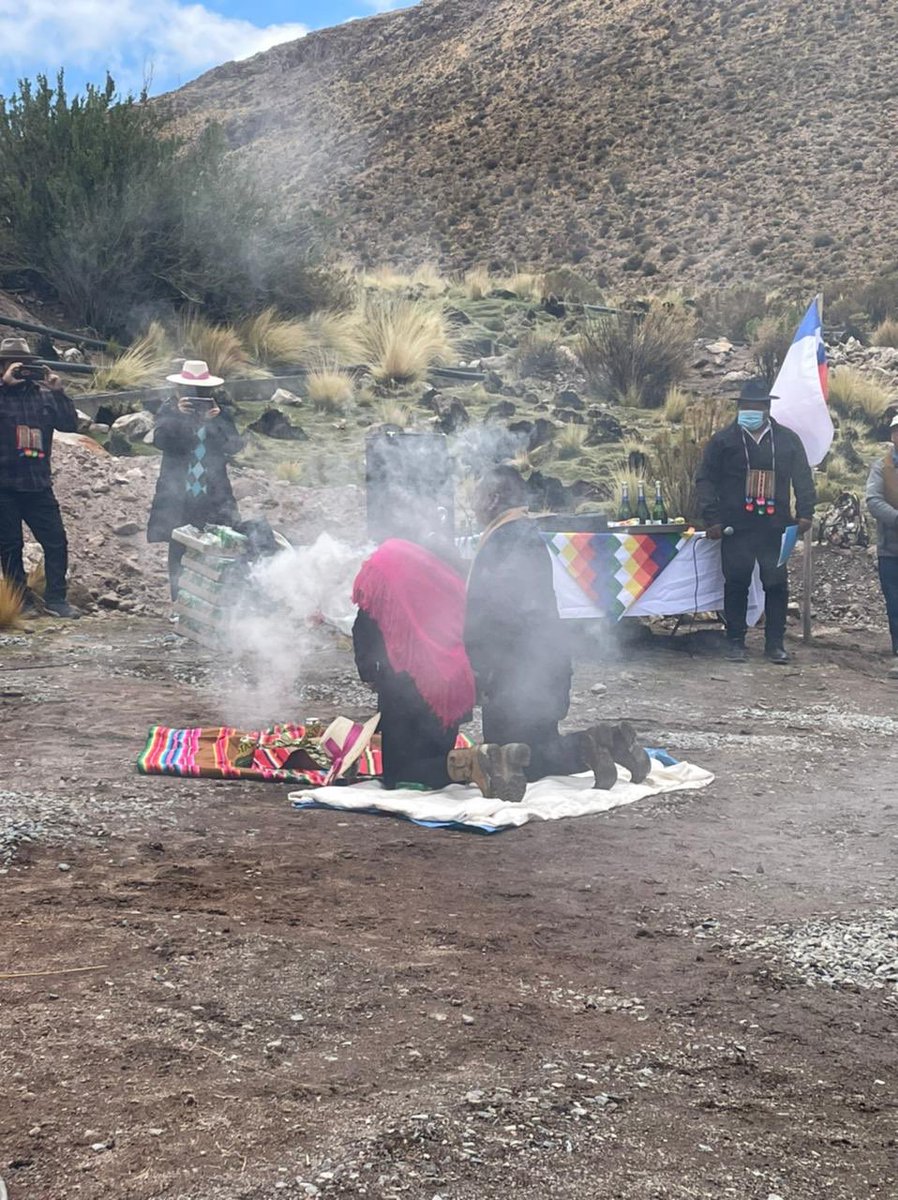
(197,372)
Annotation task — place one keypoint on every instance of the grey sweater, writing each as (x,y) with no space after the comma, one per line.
(885,516)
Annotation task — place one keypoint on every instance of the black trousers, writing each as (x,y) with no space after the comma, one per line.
(551,752)
(888,578)
(40,512)
(739,552)
(414,742)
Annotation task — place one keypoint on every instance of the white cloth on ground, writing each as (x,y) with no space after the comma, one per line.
(546,800)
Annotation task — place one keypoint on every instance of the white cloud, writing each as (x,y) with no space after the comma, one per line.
(176,41)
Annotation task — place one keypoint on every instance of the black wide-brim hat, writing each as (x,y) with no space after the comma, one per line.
(755,391)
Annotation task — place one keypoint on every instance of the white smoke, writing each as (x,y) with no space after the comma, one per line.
(297,602)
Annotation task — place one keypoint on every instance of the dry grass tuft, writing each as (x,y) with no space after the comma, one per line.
(393,412)
(335,336)
(570,442)
(675,455)
(401,339)
(145,361)
(289,472)
(676,404)
(853,394)
(272,340)
(218,345)
(329,388)
(886,333)
(526,285)
(10,605)
(477,283)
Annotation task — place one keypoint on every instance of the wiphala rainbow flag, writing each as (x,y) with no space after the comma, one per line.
(614,569)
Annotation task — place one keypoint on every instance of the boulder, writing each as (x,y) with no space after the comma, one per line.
(604,428)
(275,424)
(721,346)
(569,399)
(503,411)
(127,530)
(133,426)
(290,399)
(451,414)
(84,421)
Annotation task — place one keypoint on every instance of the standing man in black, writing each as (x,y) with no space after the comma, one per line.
(32,405)
(745,482)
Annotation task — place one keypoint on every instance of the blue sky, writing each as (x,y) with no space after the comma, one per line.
(172,41)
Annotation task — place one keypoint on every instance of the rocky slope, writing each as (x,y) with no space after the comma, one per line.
(680,139)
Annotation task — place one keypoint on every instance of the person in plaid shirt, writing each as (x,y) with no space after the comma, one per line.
(32,405)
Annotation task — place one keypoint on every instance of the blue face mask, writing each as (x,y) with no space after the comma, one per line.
(751,418)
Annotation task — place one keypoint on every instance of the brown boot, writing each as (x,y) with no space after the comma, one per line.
(628,752)
(595,747)
(497,770)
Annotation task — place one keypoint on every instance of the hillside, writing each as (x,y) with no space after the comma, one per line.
(685,140)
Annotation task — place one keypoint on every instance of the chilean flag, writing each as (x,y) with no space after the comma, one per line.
(801,388)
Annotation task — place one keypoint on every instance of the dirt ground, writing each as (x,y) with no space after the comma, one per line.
(227,999)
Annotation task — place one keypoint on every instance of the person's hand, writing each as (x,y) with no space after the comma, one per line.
(804,524)
(210,412)
(53,382)
(715,533)
(185,405)
(10,376)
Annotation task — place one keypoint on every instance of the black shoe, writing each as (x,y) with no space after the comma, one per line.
(62,608)
(735,652)
(596,749)
(628,753)
(776,654)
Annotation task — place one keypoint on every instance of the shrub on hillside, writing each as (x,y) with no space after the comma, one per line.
(675,455)
(770,342)
(537,356)
(107,212)
(637,360)
(732,311)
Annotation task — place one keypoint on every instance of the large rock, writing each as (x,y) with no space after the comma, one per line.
(134,426)
(274,424)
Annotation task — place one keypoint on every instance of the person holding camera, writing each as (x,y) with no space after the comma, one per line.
(32,405)
(197,440)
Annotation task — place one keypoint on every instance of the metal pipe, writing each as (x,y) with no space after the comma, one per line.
(30,327)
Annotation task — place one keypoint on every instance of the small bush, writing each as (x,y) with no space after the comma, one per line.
(674,455)
(732,312)
(855,395)
(401,339)
(638,360)
(770,344)
(10,605)
(568,284)
(329,388)
(271,340)
(676,402)
(537,355)
(886,333)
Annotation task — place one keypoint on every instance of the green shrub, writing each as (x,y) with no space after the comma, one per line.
(637,360)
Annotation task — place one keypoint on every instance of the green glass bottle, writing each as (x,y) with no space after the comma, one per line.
(642,508)
(659,512)
(625,512)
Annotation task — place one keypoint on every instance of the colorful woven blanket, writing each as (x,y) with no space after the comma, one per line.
(614,569)
(281,754)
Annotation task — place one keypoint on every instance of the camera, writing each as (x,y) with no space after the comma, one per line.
(32,371)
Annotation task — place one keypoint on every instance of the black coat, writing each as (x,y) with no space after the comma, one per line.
(720,480)
(175,435)
(515,639)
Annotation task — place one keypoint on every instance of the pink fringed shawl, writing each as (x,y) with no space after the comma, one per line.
(419,606)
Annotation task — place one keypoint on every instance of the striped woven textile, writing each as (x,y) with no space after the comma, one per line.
(281,754)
